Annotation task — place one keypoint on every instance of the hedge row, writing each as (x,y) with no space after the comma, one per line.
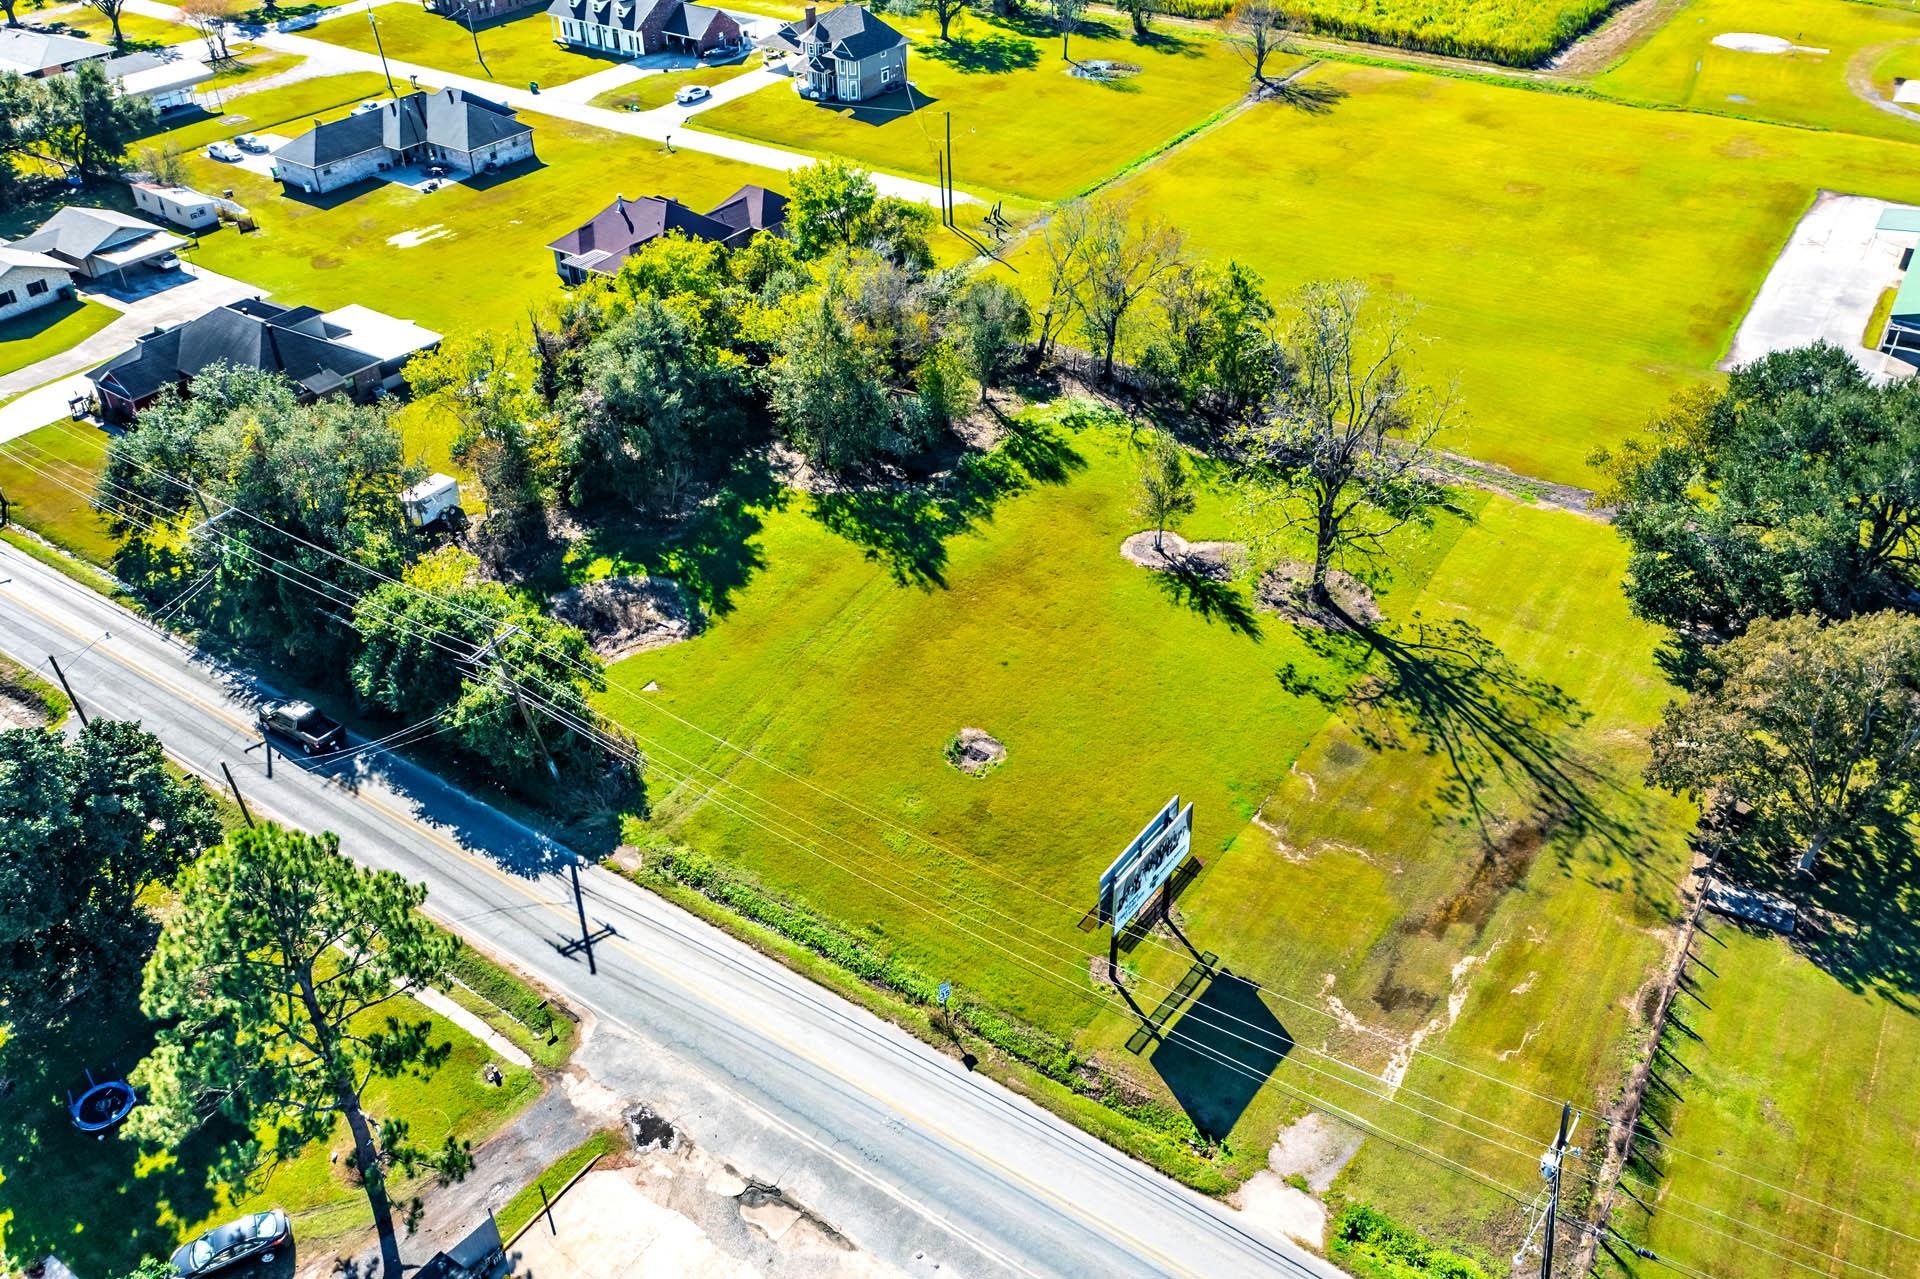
(1374,1246)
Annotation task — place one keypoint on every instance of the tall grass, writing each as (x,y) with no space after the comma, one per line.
(1521,33)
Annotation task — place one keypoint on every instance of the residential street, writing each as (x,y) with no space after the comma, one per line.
(900,1148)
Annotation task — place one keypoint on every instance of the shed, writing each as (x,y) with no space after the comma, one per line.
(182,206)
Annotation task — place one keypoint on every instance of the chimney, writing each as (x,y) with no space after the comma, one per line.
(808,20)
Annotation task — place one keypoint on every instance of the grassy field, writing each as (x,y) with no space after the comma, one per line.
(514,51)
(658,90)
(1839,45)
(137,29)
(1574,261)
(1797,1072)
(463,256)
(30,338)
(40,473)
(1517,32)
(1021,125)
(854,636)
(291,108)
(100,1204)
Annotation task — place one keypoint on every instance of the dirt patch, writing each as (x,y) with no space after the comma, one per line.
(1103,69)
(418,236)
(1628,26)
(1502,865)
(974,751)
(1313,1147)
(1285,590)
(1215,561)
(626,615)
(20,712)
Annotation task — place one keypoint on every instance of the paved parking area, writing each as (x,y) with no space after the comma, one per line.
(1825,283)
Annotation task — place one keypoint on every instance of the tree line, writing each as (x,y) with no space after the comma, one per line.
(79,122)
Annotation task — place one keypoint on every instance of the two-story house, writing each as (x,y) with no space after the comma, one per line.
(636,27)
(843,55)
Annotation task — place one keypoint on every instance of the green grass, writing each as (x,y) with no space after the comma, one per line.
(1681,66)
(1803,1076)
(48,476)
(1021,125)
(101,1204)
(658,90)
(518,1212)
(19,684)
(256,64)
(516,51)
(28,339)
(1877,321)
(1517,32)
(488,259)
(1331,863)
(136,29)
(288,109)
(513,1007)
(1576,261)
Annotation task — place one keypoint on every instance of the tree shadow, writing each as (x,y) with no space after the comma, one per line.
(906,525)
(1221,1052)
(1038,25)
(1447,689)
(990,54)
(1310,97)
(1212,598)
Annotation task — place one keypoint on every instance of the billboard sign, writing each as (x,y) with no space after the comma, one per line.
(1148,862)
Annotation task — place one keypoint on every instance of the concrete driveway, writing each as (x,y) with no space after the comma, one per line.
(1825,284)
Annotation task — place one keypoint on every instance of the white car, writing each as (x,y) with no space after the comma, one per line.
(692,93)
(223,151)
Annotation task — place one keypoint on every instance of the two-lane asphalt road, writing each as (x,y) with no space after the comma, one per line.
(899,1147)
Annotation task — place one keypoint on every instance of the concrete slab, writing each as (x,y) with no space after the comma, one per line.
(605,1228)
(1825,283)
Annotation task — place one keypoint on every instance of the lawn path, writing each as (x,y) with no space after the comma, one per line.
(658,125)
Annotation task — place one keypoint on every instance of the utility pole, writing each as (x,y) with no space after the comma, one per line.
(948,194)
(238,798)
(1550,1170)
(382,50)
(61,675)
(580,904)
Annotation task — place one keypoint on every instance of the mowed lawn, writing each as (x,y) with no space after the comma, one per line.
(1803,1080)
(1841,49)
(1575,262)
(1335,865)
(515,51)
(49,330)
(49,476)
(463,257)
(137,30)
(657,90)
(1022,125)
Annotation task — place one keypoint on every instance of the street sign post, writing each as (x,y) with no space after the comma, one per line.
(1146,865)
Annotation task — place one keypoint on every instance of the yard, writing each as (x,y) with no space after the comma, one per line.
(1575,262)
(1837,50)
(1022,126)
(653,91)
(469,254)
(99,1204)
(137,29)
(515,51)
(30,338)
(854,635)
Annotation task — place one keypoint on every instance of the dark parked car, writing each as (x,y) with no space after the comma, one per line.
(300,721)
(254,1238)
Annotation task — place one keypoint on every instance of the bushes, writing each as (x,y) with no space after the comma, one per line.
(1374,1246)
(1200,10)
(1522,33)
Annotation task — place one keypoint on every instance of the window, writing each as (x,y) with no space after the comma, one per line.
(36,287)
(8,297)
(886,75)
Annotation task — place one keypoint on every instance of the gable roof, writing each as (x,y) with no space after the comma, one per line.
(451,118)
(30,51)
(139,74)
(621,15)
(750,209)
(74,233)
(850,31)
(690,20)
(12,259)
(616,231)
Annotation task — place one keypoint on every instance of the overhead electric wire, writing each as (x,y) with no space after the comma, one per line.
(186,486)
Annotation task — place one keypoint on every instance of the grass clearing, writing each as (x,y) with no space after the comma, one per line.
(48,476)
(137,30)
(515,51)
(653,91)
(30,338)
(1022,126)
(854,635)
(488,257)
(519,1212)
(1576,262)
(1840,48)
(268,110)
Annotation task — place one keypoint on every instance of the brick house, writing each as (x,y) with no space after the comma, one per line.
(635,27)
(452,127)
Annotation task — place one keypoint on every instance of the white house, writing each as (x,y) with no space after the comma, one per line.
(38,54)
(182,206)
(29,281)
(165,79)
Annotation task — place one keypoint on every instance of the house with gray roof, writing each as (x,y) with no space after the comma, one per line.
(603,245)
(630,28)
(450,128)
(37,54)
(352,351)
(162,77)
(29,281)
(842,55)
(100,244)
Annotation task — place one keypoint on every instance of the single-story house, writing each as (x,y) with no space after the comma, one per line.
(843,55)
(29,281)
(37,54)
(602,245)
(450,127)
(643,26)
(164,79)
(352,351)
(182,206)
(99,243)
